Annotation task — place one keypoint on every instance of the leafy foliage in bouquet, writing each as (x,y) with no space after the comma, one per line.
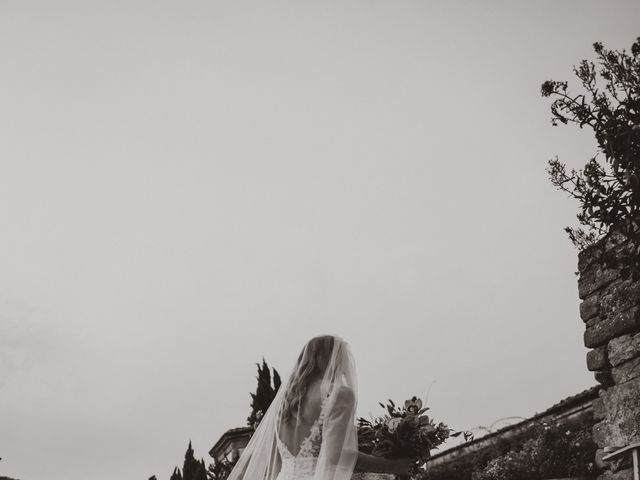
(404,432)
(607,189)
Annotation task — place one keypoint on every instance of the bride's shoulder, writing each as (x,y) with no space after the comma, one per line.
(345,395)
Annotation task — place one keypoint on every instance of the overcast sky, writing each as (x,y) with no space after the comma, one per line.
(186,187)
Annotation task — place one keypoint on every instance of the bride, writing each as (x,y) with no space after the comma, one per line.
(309,432)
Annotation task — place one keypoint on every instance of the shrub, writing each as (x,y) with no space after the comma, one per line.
(552,452)
(608,187)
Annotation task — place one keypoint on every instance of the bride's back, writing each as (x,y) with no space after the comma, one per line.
(297,428)
(311,403)
(300,417)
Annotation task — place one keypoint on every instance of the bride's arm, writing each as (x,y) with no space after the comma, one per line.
(342,421)
(371,463)
(339,439)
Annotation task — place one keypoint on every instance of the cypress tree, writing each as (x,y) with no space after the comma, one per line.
(190,464)
(176,474)
(201,471)
(265,392)
(276,382)
(220,470)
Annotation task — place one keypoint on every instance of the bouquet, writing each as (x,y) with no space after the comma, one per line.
(405,432)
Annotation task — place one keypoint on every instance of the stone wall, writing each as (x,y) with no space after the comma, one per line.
(610,309)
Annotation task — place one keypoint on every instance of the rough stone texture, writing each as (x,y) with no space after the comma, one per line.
(623,348)
(604,378)
(597,358)
(599,411)
(621,424)
(611,327)
(621,416)
(619,296)
(586,259)
(600,434)
(627,371)
(599,462)
(595,278)
(626,474)
(615,241)
(591,323)
(590,307)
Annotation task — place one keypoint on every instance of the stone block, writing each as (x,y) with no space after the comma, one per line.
(587,258)
(603,330)
(599,411)
(619,296)
(590,307)
(600,432)
(621,425)
(597,359)
(626,474)
(604,378)
(614,242)
(627,371)
(623,348)
(592,322)
(599,454)
(596,278)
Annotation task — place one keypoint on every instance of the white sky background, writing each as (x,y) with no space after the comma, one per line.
(186,187)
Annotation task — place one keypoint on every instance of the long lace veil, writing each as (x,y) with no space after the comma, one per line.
(289,433)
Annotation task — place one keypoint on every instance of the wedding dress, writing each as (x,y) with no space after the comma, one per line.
(308,433)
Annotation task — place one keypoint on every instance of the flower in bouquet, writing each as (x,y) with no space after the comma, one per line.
(404,432)
(413,405)
(393,424)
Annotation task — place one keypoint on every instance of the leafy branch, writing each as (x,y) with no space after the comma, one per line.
(607,188)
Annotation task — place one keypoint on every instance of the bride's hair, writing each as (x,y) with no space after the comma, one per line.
(312,364)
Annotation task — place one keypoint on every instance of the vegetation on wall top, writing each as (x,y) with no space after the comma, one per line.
(608,187)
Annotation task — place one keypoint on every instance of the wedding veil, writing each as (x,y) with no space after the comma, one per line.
(308,433)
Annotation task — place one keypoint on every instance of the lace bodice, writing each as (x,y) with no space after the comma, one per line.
(302,465)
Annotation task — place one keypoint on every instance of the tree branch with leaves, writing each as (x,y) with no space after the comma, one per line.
(608,187)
